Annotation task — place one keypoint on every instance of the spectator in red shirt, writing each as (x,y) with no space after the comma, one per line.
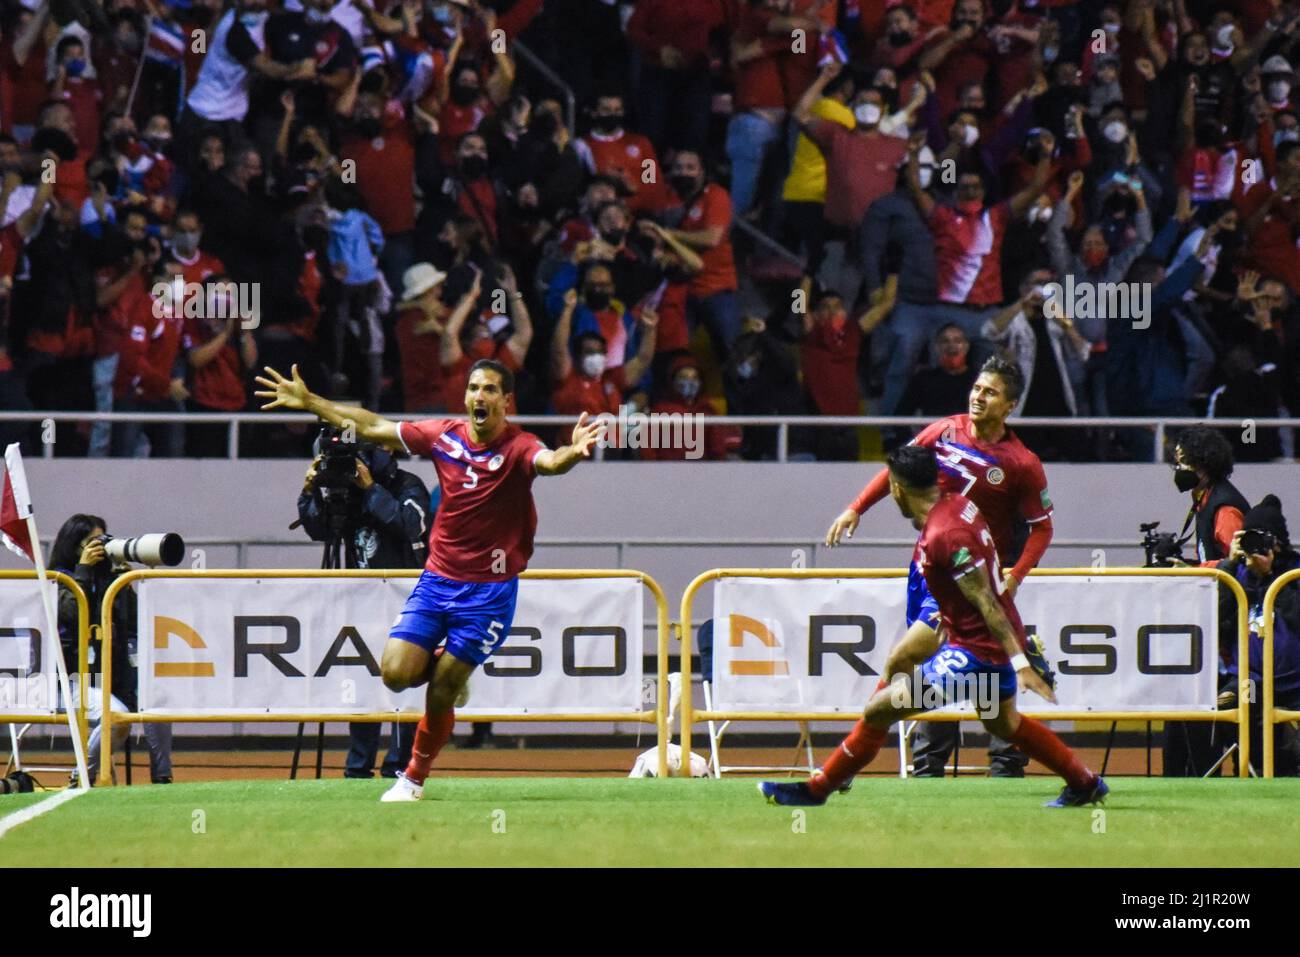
(706,228)
(672,38)
(1270,212)
(829,357)
(465,340)
(24,70)
(612,150)
(220,354)
(146,371)
(186,248)
(589,384)
(83,96)
(902,42)
(420,325)
(960,54)
(685,398)
(862,162)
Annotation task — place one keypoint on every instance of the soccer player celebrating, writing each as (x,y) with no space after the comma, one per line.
(982,459)
(482,539)
(986,644)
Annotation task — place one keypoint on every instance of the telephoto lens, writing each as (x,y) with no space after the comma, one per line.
(159,548)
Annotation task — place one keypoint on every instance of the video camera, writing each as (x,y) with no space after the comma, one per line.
(166,548)
(336,480)
(1160,547)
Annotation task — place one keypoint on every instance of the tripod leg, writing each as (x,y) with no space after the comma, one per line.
(297,753)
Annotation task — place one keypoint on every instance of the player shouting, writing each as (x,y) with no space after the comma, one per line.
(482,539)
(982,459)
(986,643)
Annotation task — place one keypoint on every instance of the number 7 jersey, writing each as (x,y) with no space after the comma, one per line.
(484,527)
(1004,478)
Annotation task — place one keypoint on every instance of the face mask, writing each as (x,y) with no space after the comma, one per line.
(607,123)
(1186,479)
(1286,136)
(899,38)
(130,42)
(497,323)
(1116,131)
(186,242)
(442,14)
(596,299)
(1111,27)
(684,186)
(838,321)
(369,127)
(75,66)
(158,141)
(1050,54)
(688,389)
(971,207)
(970,135)
(1278,91)
(593,365)
(868,114)
(1092,258)
(464,95)
(473,166)
(1039,214)
(925,174)
(746,369)
(313,15)
(952,363)
(613,236)
(252,19)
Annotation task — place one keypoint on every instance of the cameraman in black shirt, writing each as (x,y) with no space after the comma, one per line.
(356,499)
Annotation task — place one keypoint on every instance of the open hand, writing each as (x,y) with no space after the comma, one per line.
(843,527)
(586,434)
(284,393)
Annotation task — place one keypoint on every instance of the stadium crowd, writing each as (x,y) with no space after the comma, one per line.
(393,191)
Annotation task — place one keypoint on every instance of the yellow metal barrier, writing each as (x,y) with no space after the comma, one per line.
(83,639)
(1240,716)
(1272,714)
(658,717)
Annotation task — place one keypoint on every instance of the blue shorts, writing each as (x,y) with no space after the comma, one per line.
(473,617)
(920,603)
(957,673)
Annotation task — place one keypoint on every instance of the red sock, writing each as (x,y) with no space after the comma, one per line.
(432,733)
(854,753)
(1042,744)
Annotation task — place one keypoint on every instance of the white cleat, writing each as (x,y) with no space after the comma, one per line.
(403,789)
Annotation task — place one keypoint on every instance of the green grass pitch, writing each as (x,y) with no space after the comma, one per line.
(466,822)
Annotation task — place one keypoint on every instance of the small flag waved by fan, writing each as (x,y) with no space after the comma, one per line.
(165,43)
(832,49)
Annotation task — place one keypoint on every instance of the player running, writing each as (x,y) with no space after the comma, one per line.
(986,643)
(481,540)
(982,459)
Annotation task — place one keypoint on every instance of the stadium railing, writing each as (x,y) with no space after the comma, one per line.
(1239,716)
(55,715)
(234,421)
(1272,714)
(658,716)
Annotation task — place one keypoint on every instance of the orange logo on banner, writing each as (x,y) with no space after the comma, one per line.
(163,629)
(742,625)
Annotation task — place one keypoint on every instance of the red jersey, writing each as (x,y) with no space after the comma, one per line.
(385,174)
(219,384)
(627,156)
(954,543)
(968,253)
(421,366)
(712,207)
(148,353)
(1004,479)
(483,530)
(579,393)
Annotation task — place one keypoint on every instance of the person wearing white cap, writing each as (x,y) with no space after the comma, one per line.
(420,321)
(1277,76)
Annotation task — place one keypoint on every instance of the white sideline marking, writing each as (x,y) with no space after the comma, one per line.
(32,811)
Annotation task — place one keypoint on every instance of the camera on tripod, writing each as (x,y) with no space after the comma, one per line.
(1161,548)
(336,478)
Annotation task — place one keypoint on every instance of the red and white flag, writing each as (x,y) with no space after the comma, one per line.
(15,506)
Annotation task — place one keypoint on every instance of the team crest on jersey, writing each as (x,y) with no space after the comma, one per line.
(995,476)
(496,462)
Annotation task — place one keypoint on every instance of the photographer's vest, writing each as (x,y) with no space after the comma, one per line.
(1221,494)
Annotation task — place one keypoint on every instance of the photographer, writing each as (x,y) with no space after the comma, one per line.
(1260,553)
(357,499)
(79,551)
(1202,464)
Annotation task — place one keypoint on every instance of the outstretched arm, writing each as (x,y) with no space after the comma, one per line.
(558,461)
(292,394)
